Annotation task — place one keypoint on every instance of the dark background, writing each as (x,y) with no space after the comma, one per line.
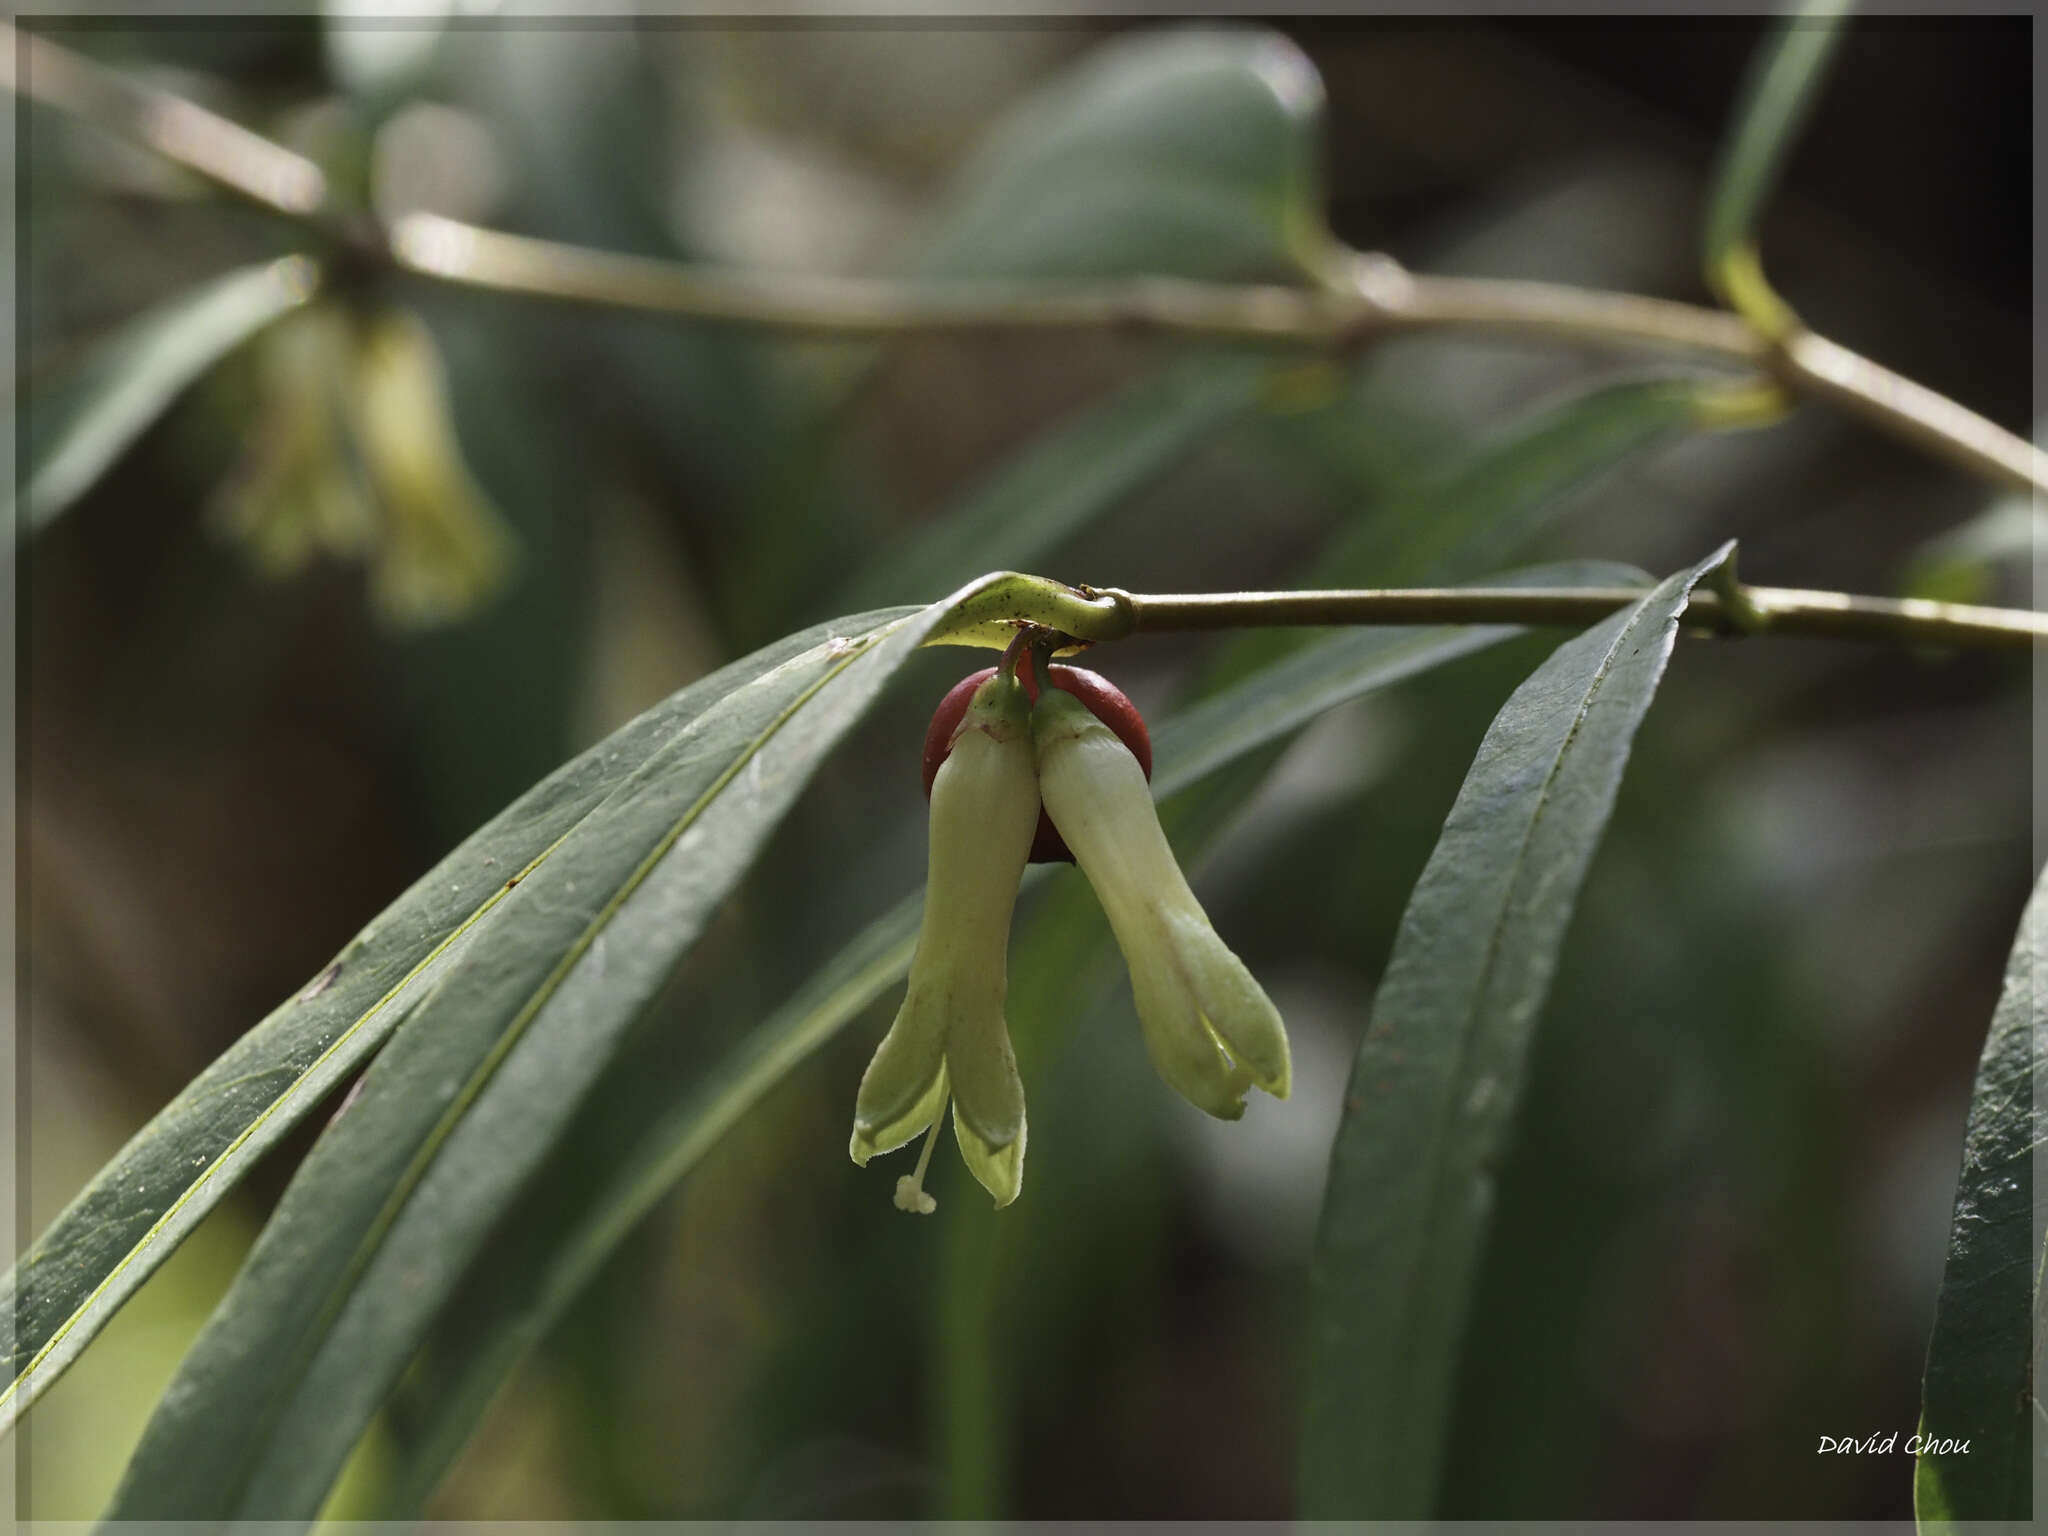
(1722,1225)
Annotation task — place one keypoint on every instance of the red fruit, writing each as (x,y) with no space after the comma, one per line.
(1105,701)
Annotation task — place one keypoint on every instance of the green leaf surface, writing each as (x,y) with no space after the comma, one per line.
(183,1163)
(1960,566)
(80,423)
(1192,153)
(1492,497)
(1069,477)
(1782,86)
(564,1231)
(562,1234)
(1434,1087)
(1982,1360)
(467,1099)
(1483,506)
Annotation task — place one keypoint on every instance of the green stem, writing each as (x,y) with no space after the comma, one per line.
(180,131)
(1002,610)
(1361,299)
(1377,299)
(1824,370)
(1757,610)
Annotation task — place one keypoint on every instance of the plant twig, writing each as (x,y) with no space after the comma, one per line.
(1365,298)
(181,131)
(862,308)
(1815,366)
(1384,299)
(1758,610)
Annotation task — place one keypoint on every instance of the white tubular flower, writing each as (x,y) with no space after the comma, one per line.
(1211,1029)
(445,548)
(950,1035)
(353,453)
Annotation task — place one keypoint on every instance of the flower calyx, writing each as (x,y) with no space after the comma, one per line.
(1104,699)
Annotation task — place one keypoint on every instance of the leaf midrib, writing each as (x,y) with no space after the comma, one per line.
(416,1168)
(1439,1152)
(10,1409)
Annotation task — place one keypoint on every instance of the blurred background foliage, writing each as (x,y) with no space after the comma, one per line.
(1721,1226)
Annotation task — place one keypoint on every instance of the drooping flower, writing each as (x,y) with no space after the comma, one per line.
(1209,1026)
(445,547)
(950,1037)
(353,453)
(295,493)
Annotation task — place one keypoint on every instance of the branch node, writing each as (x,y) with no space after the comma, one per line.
(1739,614)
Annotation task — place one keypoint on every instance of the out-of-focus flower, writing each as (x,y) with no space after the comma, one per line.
(444,547)
(352,454)
(1210,1027)
(950,1035)
(296,493)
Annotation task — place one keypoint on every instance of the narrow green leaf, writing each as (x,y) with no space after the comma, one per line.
(1290,693)
(564,1231)
(1960,566)
(1492,497)
(1979,1401)
(1069,477)
(1485,505)
(470,1094)
(81,423)
(566,1228)
(1782,86)
(1192,152)
(183,1163)
(1433,1091)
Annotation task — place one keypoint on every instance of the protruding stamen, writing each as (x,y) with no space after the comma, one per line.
(910,1195)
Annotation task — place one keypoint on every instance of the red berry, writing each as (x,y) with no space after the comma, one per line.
(1105,701)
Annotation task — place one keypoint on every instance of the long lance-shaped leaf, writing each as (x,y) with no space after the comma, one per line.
(559,1237)
(1071,476)
(82,422)
(1980,1399)
(471,1093)
(1489,499)
(1780,92)
(183,1163)
(1434,1087)
(1960,566)
(1194,153)
(1505,487)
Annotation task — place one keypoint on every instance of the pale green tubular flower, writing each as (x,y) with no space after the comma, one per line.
(950,1035)
(1210,1027)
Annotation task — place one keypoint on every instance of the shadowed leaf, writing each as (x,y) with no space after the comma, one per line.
(1066,479)
(1191,153)
(80,423)
(183,1163)
(469,1096)
(1433,1091)
(1980,1390)
(562,1234)
(1782,87)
